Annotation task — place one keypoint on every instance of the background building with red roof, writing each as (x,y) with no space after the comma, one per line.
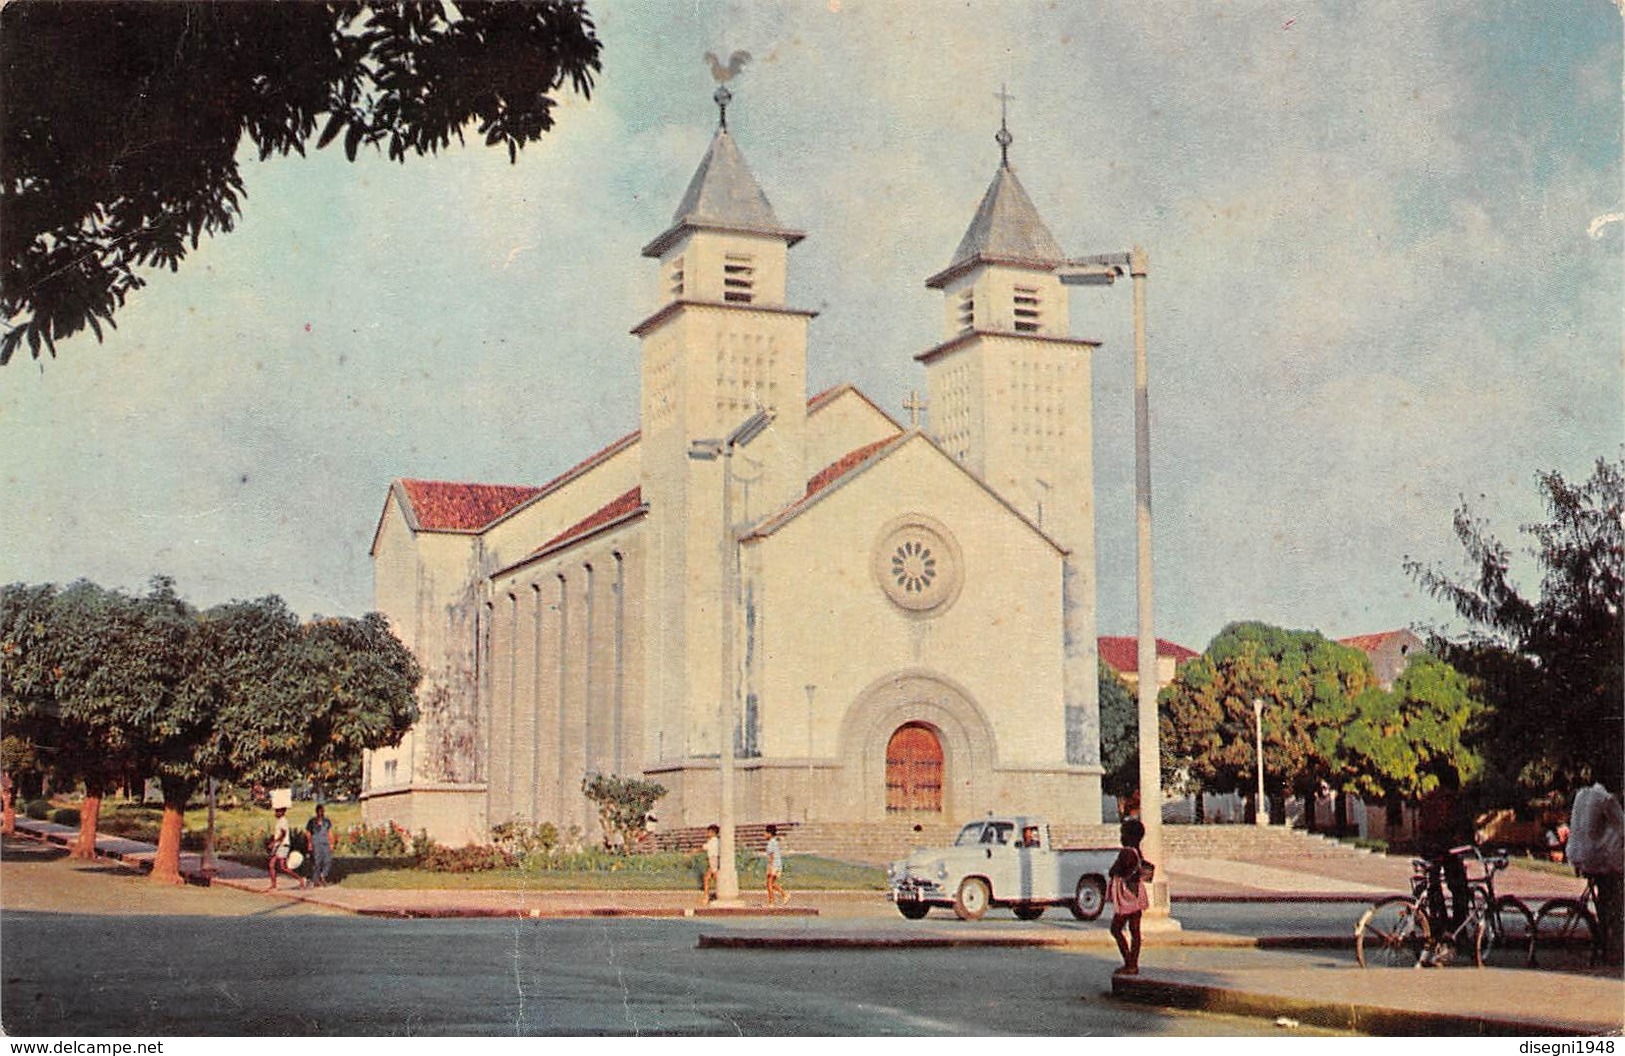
(1121,653)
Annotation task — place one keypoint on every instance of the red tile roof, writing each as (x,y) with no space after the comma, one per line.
(842,466)
(1122,653)
(446,506)
(1367,643)
(612,511)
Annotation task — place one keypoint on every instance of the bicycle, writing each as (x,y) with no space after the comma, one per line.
(1401,931)
(1567,935)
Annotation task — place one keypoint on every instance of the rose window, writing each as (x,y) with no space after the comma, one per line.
(913,566)
(916,563)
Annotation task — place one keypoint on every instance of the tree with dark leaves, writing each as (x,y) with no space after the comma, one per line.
(120,122)
(1119,734)
(1550,668)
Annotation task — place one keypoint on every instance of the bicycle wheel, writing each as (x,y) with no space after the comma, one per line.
(1391,934)
(1565,937)
(1504,934)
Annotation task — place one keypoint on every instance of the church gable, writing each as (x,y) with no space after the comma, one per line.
(898,563)
(840,419)
(863,460)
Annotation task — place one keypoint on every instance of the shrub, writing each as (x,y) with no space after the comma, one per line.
(624,805)
(471,859)
(378,841)
(66,816)
(37,809)
(525,839)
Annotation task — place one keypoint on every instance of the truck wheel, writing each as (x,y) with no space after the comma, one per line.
(971,902)
(1090,899)
(914,910)
(1028,911)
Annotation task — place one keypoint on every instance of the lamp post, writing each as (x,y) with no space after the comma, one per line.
(727,696)
(1260,815)
(806,803)
(1103,270)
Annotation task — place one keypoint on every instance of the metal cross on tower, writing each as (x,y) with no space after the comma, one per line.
(1003,138)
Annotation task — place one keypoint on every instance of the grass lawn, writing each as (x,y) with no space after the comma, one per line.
(239,833)
(233,826)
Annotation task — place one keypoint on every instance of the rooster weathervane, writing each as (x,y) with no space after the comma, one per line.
(722,75)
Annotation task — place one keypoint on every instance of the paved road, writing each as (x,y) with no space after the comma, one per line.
(185,975)
(86,950)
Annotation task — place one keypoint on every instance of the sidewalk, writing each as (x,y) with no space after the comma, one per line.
(1393,1001)
(1396,1001)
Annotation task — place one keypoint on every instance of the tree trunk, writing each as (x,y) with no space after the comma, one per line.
(1278,809)
(166,864)
(1201,808)
(90,815)
(8,808)
(1340,813)
(1311,804)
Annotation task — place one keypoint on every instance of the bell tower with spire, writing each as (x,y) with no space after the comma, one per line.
(721,345)
(1010,396)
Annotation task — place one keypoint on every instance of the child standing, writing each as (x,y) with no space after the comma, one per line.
(775,866)
(1130,895)
(713,859)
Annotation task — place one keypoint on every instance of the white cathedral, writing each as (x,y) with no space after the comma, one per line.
(897,623)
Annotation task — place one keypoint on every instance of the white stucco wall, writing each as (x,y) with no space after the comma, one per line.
(823,620)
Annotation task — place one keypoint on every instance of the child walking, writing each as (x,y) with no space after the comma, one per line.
(1130,894)
(775,867)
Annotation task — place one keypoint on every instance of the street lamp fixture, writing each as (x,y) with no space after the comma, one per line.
(1260,814)
(712,450)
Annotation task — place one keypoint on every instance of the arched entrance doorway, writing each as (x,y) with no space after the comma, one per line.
(914,770)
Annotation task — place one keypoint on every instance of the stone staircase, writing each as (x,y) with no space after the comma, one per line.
(885,841)
(1251,843)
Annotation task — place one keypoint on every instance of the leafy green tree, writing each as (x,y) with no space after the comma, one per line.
(1191,713)
(269,700)
(244,692)
(27,699)
(624,806)
(116,666)
(1119,734)
(1550,668)
(1409,741)
(120,122)
(1306,682)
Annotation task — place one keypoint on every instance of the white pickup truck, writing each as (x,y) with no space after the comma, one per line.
(1001,861)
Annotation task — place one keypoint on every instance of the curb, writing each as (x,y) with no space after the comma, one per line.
(1365,1019)
(449,913)
(942,940)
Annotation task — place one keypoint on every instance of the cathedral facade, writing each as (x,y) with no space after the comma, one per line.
(886,622)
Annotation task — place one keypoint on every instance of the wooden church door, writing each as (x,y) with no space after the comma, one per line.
(913,770)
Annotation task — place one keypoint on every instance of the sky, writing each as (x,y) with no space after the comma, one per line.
(1385,278)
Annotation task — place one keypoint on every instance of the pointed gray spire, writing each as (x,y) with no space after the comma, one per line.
(723,195)
(1006,230)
